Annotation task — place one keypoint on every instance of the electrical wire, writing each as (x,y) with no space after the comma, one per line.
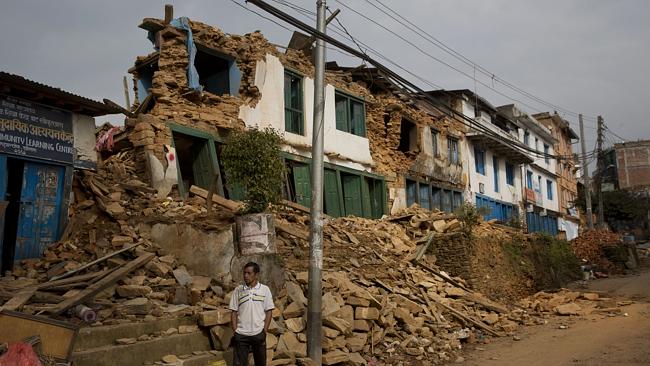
(436,42)
(407,86)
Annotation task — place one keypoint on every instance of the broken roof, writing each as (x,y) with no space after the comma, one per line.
(19,86)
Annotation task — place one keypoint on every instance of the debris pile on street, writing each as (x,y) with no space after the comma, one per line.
(566,302)
(600,248)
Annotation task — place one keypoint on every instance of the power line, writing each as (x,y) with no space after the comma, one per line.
(438,43)
(404,83)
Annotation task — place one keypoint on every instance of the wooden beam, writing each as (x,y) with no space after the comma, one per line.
(469,319)
(221,201)
(444,277)
(19,299)
(89,264)
(100,285)
(75,279)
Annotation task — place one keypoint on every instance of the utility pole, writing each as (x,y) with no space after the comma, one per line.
(585,174)
(601,168)
(314,291)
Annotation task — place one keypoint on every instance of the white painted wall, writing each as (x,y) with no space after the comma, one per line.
(507,193)
(541,168)
(83,129)
(343,148)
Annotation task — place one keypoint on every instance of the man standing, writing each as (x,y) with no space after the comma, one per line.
(251,306)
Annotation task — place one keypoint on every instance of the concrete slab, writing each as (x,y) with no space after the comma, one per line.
(93,337)
(136,354)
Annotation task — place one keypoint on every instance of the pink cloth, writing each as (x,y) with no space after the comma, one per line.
(20,354)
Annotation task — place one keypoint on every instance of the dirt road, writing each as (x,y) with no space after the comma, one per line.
(594,340)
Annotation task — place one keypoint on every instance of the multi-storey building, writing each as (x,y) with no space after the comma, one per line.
(540,191)
(567,180)
(491,155)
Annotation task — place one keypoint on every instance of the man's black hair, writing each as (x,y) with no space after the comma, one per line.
(255,266)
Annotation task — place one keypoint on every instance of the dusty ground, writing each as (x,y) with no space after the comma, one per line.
(594,340)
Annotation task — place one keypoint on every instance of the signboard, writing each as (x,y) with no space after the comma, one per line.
(530,195)
(36,131)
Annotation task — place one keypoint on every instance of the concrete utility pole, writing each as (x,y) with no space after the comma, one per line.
(585,174)
(314,291)
(601,168)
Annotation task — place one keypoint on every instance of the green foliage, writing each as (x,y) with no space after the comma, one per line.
(617,205)
(548,261)
(564,264)
(252,159)
(470,216)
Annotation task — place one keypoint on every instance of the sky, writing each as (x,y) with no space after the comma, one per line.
(577,56)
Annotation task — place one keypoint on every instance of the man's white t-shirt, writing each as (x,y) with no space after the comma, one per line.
(251,304)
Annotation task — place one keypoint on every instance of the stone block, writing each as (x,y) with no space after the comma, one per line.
(137,306)
(221,337)
(215,317)
(335,357)
(294,310)
(357,301)
(131,291)
(366,313)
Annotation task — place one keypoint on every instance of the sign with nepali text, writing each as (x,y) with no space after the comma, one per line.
(36,131)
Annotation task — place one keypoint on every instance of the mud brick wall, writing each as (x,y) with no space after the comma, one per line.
(454,255)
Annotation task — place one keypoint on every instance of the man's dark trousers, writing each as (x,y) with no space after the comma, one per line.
(245,344)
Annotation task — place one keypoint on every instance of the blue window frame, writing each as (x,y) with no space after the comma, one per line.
(547,159)
(510,174)
(529,179)
(549,189)
(495,168)
(479,160)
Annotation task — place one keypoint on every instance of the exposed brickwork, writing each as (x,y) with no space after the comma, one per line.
(633,162)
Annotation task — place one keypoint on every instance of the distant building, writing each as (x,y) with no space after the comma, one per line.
(633,165)
(540,192)
(491,155)
(565,168)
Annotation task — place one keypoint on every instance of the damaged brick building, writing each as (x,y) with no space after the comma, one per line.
(383,152)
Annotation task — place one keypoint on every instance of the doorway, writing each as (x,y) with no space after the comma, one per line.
(34,195)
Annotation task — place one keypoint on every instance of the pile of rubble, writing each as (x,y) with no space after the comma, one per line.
(566,302)
(598,247)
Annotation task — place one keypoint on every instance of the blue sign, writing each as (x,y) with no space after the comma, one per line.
(36,131)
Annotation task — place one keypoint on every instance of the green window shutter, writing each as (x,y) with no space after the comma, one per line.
(366,204)
(341,113)
(302,183)
(377,198)
(331,194)
(358,123)
(293,106)
(352,194)
(202,165)
(287,103)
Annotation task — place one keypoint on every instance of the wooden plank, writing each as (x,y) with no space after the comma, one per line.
(444,277)
(90,264)
(485,303)
(221,201)
(432,308)
(20,298)
(469,319)
(57,337)
(423,248)
(75,279)
(291,230)
(100,285)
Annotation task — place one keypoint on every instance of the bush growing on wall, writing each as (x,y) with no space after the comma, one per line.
(252,161)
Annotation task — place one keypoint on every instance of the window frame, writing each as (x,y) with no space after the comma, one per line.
(348,120)
(510,174)
(434,141)
(549,189)
(479,160)
(456,153)
(495,170)
(547,159)
(433,192)
(301,129)
(526,138)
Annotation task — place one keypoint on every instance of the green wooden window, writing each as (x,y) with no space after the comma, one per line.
(293,106)
(350,115)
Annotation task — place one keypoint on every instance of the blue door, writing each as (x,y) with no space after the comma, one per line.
(40,209)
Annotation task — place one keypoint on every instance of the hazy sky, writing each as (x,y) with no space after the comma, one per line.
(586,56)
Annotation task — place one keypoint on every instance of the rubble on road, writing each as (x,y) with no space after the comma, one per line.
(566,302)
(600,247)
